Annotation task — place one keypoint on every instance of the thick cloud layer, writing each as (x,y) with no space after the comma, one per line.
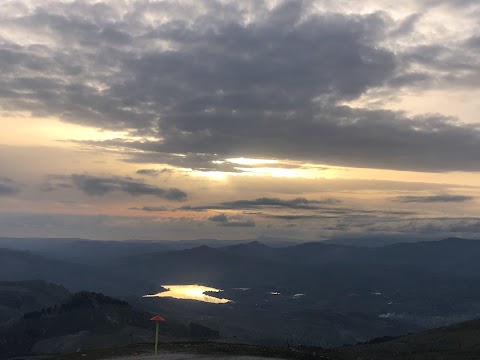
(214,80)
(266,113)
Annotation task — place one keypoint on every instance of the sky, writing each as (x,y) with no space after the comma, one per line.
(136,119)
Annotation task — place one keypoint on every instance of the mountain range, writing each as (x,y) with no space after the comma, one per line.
(328,294)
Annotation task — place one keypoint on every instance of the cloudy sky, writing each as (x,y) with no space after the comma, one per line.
(236,119)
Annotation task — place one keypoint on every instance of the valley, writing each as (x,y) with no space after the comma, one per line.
(313,294)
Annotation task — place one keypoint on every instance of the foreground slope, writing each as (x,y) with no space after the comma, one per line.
(83,320)
(456,342)
(87,320)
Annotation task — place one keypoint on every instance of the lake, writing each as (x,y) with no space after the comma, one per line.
(191,292)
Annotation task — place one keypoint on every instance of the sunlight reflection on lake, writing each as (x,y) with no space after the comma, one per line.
(190,292)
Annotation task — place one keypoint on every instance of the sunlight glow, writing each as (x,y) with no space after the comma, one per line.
(212,175)
(20,128)
(303,171)
(248,161)
(191,292)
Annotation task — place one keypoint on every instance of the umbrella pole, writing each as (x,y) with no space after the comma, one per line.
(156,341)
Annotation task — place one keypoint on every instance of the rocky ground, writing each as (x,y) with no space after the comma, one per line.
(201,351)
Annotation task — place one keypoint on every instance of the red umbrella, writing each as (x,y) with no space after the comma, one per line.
(157,319)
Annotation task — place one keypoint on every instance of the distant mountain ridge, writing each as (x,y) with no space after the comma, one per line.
(203,264)
(96,252)
(349,291)
(458,255)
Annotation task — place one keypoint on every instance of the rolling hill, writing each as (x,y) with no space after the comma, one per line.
(23,265)
(19,297)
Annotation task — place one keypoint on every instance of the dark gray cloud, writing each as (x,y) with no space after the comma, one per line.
(326,212)
(8,187)
(152,172)
(406,26)
(148,172)
(226,221)
(364,138)
(297,203)
(197,161)
(70,203)
(474,42)
(150,208)
(457,3)
(434,198)
(100,186)
(210,86)
(441,66)
(236,223)
(298,217)
(54,183)
(219,218)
